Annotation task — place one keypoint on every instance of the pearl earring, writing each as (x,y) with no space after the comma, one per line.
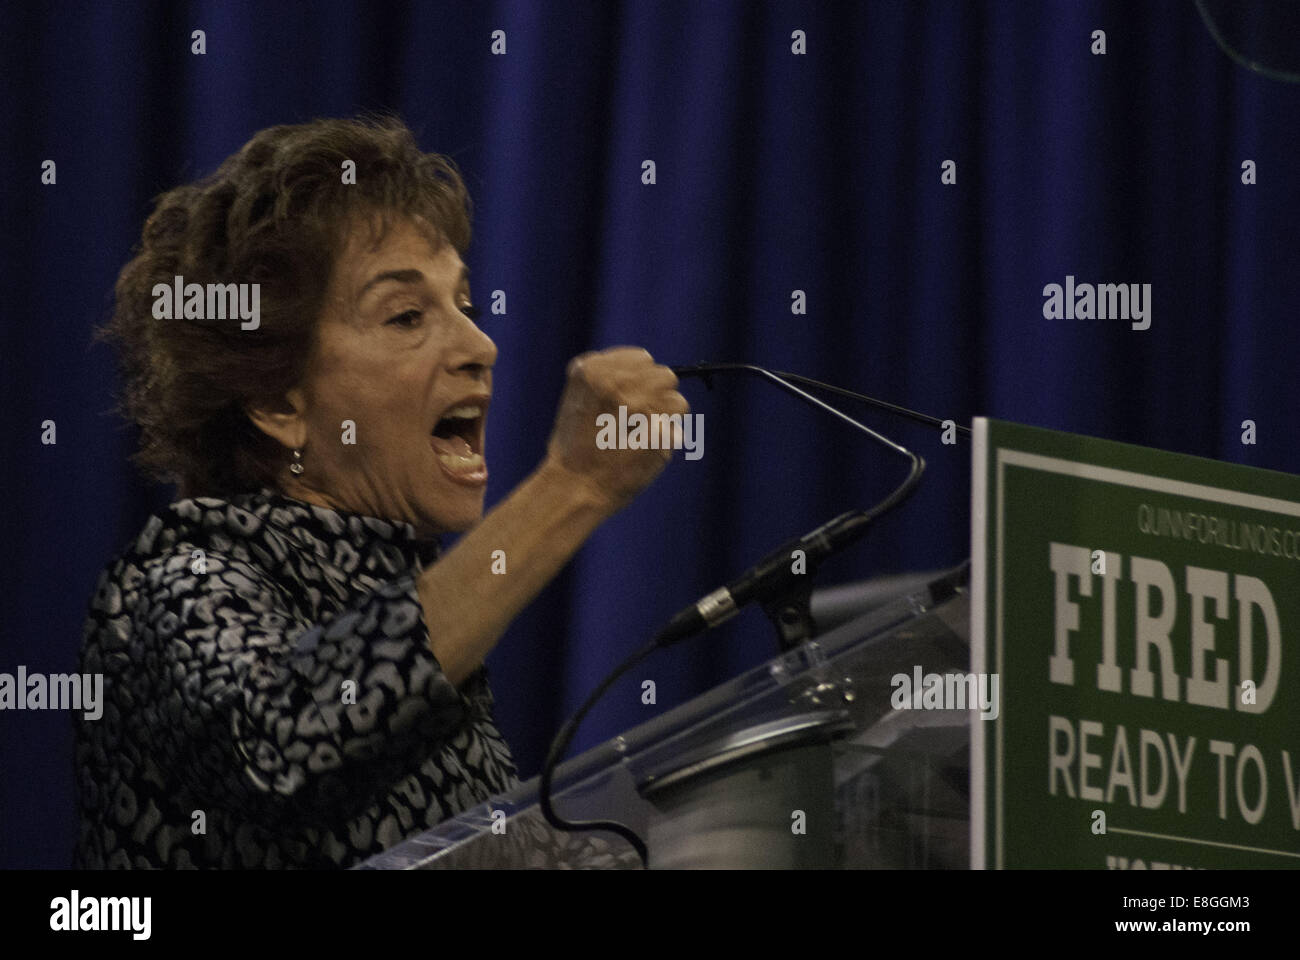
(296,467)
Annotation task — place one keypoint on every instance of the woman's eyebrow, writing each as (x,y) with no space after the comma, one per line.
(408,275)
(397,276)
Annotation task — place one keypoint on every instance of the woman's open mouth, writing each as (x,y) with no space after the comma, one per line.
(457,440)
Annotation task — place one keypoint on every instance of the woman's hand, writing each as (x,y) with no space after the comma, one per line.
(600,383)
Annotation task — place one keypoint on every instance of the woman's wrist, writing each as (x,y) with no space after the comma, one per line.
(575,491)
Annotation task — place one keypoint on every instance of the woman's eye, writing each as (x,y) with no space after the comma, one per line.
(471,311)
(407,319)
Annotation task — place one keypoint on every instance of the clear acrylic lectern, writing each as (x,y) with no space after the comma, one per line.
(802,762)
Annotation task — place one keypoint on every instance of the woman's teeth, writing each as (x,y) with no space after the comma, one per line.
(467,412)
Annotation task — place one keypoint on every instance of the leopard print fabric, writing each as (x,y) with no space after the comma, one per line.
(271,699)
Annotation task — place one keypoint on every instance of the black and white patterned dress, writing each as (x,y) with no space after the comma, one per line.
(271,699)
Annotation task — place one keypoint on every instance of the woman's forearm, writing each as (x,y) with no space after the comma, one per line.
(468,601)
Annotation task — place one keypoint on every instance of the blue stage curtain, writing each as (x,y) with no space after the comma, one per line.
(776,172)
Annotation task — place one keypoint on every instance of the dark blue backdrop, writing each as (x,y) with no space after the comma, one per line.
(776,172)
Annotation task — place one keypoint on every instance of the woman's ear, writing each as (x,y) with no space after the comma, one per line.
(284,421)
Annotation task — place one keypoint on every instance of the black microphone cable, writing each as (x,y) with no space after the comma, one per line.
(561,744)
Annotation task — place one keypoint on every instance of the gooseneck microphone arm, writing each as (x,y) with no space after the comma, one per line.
(703,371)
(782,581)
(928,420)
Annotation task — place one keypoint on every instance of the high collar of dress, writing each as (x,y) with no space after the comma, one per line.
(317,528)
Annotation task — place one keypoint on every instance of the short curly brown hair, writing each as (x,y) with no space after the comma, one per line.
(276,213)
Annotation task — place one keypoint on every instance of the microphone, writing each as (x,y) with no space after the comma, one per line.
(774,575)
(778,575)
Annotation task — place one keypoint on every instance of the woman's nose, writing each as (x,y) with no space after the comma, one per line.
(476,352)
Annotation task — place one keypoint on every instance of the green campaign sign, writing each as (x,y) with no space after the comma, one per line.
(1141,610)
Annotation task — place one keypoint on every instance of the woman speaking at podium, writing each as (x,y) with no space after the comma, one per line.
(293,674)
